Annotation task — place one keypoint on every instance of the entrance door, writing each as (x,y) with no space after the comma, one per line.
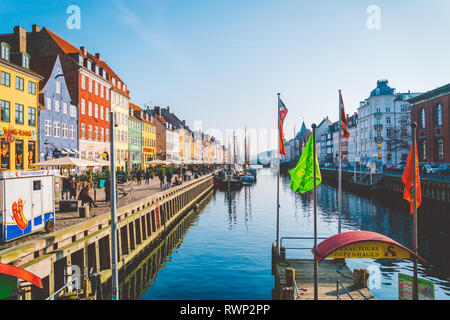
(36,205)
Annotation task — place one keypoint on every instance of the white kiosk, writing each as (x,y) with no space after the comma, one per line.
(27,203)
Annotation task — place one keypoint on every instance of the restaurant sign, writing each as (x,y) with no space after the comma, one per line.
(370,250)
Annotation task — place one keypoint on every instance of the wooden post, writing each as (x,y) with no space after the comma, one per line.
(360,277)
(282,254)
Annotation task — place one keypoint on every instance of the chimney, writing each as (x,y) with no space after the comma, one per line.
(35,28)
(168,109)
(158,111)
(98,56)
(83,49)
(20,39)
(184,123)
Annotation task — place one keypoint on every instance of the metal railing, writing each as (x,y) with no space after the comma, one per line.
(299,238)
(338,283)
(296,291)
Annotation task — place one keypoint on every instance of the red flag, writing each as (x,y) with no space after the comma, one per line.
(344,124)
(407,179)
(282,111)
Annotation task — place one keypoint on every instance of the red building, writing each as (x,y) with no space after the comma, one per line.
(431,113)
(89,80)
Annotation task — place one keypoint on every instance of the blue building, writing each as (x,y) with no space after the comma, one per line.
(58,118)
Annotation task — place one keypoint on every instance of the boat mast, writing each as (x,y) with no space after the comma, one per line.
(245,151)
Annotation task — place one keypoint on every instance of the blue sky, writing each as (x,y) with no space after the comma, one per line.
(223,62)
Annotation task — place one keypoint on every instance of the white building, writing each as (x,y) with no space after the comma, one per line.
(383,126)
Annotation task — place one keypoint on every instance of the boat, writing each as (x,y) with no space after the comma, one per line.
(247,178)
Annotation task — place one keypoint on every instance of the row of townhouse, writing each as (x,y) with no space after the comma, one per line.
(57,99)
(380,130)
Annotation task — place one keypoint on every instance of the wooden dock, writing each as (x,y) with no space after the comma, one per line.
(294,279)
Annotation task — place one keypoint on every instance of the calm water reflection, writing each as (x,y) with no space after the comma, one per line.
(224,251)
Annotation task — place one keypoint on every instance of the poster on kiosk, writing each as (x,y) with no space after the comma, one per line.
(26,203)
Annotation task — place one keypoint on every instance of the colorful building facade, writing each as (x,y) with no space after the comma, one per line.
(135,139)
(19,87)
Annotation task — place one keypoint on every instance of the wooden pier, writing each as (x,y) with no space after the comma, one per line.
(88,244)
(330,272)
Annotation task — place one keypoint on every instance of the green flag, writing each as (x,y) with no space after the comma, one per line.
(302,177)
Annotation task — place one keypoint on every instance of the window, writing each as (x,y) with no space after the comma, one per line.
(56,129)
(90,132)
(58,87)
(439,115)
(423,150)
(31,87)
(422,118)
(83,131)
(96,111)
(5,107)
(96,133)
(65,131)
(19,83)
(440,149)
(96,87)
(57,106)
(83,82)
(6,79)
(31,116)
(101,112)
(97,69)
(107,134)
(48,103)
(48,128)
(73,111)
(19,113)
(89,65)
(106,94)
(102,134)
(64,109)
(102,91)
(5,155)
(388,120)
(19,154)
(90,85)
(72,132)
(404,108)
(5,50)
(107,114)
(83,106)
(90,109)
(388,109)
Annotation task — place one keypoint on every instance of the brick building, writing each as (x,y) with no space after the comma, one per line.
(431,113)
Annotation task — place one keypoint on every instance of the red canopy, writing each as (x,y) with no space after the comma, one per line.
(333,243)
(21,273)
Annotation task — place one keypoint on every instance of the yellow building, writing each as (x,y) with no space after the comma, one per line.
(148,140)
(19,88)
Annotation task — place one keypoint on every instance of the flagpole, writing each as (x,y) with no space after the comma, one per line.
(278,178)
(415,279)
(340,167)
(316,266)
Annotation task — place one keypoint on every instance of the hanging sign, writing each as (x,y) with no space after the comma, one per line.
(405,285)
(371,250)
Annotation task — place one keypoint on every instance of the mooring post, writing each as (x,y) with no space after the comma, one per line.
(360,277)
(282,254)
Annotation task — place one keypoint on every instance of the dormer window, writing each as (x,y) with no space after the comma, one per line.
(26,60)
(80,59)
(97,70)
(113,80)
(5,49)
(89,65)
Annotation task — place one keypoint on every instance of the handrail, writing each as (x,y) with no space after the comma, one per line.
(296,291)
(345,289)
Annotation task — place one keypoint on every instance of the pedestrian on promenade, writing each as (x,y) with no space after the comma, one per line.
(108,189)
(147,177)
(85,197)
(161,178)
(65,188)
(73,188)
(169,177)
(138,177)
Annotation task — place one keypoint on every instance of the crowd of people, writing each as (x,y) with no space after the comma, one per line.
(168,177)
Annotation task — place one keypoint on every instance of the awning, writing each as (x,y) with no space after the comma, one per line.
(69,151)
(358,244)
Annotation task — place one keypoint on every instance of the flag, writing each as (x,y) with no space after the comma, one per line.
(282,111)
(407,179)
(344,124)
(302,176)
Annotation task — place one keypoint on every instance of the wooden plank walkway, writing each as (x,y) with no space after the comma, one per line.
(330,270)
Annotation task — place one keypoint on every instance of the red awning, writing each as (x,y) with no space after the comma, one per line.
(333,243)
(21,273)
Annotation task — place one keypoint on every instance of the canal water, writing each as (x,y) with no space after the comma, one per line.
(225,251)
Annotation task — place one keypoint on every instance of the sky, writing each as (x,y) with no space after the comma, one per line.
(223,62)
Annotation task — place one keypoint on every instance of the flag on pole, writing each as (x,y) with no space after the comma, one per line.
(407,179)
(282,111)
(344,124)
(302,176)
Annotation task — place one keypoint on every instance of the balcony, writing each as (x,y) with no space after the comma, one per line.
(378,127)
(378,114)
(378,139)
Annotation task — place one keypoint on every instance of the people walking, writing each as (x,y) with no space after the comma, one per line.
(147,177)
(169,178)
(65,188)
(73,188)
(161,178)
(107,190)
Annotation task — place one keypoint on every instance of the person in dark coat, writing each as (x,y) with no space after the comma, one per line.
(169,177)
(65,188)
(73,188)
(161,178)
(108,190)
